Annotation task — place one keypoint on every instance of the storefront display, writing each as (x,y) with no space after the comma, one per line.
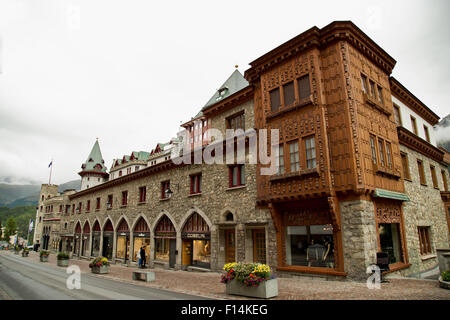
(310,246)
(108,239)
(95,244)
(196,242)
(141,234)
(123,241)
(123,247)
(389,220)
(165,241)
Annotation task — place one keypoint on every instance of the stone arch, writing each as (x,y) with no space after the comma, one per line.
(137,220)
(88,225)
(106,223)
(160,215)
(225,213)
(119,221)
(95,224)
(77,227)
(201,213)
(123,222)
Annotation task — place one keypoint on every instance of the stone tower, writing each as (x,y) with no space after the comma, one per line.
(93,170)
(47,191)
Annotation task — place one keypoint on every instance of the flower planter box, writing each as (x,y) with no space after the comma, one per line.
(266,289)
(43,258)
(62,263)
(101,269)
(444,284)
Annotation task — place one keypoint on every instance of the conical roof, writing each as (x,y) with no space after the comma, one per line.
(94,162)
(236,82)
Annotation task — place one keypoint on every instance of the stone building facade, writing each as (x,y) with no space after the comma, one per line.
(340,197)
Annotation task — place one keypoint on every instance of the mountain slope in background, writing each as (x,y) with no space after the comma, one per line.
(442,131)
(26,195)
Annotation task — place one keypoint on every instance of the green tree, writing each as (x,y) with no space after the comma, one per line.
(11,227)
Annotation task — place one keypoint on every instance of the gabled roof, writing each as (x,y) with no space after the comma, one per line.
(236,82)
(94,162)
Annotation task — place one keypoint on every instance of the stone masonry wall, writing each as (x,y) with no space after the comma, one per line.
(425,208)
(359,237)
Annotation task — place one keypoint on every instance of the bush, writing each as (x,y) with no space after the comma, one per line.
(62,256)
(249,274)
(98,262)
(446,275)
(44,253)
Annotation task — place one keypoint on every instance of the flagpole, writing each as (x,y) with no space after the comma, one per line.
(51,167)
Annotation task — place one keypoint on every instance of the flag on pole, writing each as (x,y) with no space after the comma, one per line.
(30,227)
(50,164)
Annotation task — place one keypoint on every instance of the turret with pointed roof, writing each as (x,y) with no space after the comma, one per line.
(93,170)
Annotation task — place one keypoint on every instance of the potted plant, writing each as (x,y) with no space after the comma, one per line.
(99,265)
(62,259)
(25,252)
(43,255)
(250,280)
(444,280)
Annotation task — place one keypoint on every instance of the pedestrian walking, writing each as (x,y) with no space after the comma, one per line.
(138,256)
(143,256)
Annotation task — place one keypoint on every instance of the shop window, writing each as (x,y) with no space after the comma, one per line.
(390,241)
(275,101)
(310,246)
(196,183)
(381,152)
(281,159)
(414,125)
(142,194)
(405,165)
(165,235)
(236,122)
(427,134)
(364,83)
(289,93)
(294,156)
(310,148)
(236,175)
(304,87)
(433,177)
(444,180)
(397,117)
(423,181)
(424,240)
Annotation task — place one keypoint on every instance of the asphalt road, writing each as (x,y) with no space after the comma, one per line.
(21,279)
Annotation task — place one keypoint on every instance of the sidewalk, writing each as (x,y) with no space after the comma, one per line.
(208,284)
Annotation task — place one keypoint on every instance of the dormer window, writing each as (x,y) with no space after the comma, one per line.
(91,160)
(222,91)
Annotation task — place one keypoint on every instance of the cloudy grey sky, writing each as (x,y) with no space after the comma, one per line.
(128,72)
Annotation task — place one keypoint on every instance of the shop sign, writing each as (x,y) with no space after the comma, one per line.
(196,235)
(85,238)
(165,234)
(142,235)
(122,234)
(76,237)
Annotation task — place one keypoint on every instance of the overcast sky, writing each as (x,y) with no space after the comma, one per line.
(128,72)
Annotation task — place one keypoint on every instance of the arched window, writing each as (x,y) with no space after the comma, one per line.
(229,216)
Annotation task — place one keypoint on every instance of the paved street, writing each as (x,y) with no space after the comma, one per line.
(21,278)
(27,278)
